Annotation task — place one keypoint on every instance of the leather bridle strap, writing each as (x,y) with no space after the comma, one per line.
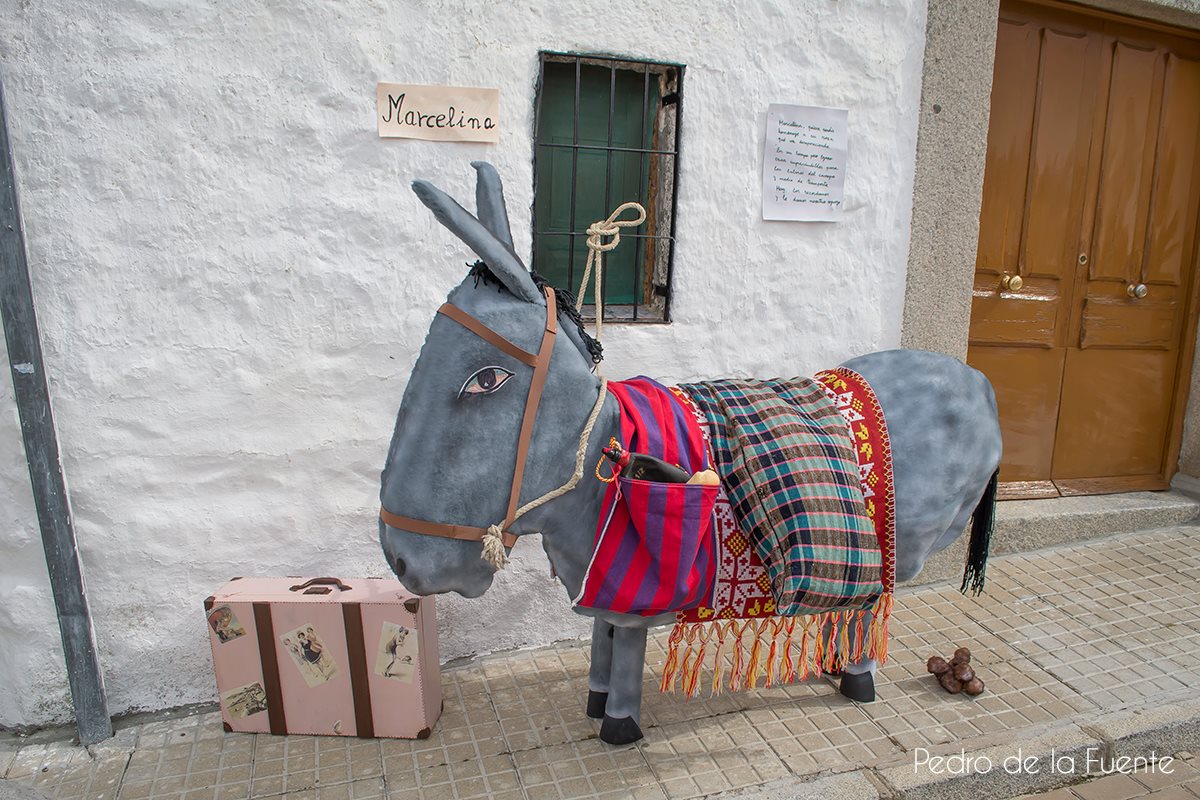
(487,334)
(540,362)
(541,366)
(436,528)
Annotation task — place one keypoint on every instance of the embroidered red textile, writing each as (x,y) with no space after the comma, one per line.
(858,404)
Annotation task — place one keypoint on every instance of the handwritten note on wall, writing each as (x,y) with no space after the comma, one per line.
(440,113)
(804,163)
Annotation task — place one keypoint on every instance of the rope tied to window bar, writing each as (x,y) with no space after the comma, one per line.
(597,247)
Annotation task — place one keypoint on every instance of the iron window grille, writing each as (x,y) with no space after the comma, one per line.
(607,131)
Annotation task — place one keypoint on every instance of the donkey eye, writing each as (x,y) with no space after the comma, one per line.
(485,381)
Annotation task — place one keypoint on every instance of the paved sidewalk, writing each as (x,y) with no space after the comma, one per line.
(1181,783)
(1088,651)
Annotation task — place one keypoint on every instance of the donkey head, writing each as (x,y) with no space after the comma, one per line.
(454,449)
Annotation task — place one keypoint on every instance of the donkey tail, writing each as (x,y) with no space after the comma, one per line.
(983,524)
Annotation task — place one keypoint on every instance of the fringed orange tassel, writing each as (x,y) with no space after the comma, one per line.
(804,648)
(827,642)
(719,656)
(776,627)
(876,626)
(858,635)
(883,628)
(831,643)
(685,674)
(879,628)
(685,668)
(788,667)
(819,647)
(755,653)
(844,644)
(735,674)
(693,678)
(668,677)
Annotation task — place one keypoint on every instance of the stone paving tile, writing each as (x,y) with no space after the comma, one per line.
(1114,787)
(829,734)
(1182,772)
(468,729)
(916,712)
(698,758)
(1092,616)
(194,727)
(37,758)
(587,769)
(520,670)
(366,789)
(491,776)
(189,766)
(284,763)
(1182,783)
(660,709)
(80,777)
(288,764)
(62,771)
(7,755)
(543,712)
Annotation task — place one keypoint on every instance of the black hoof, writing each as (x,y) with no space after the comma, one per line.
(596,703)
(622,730)
(859,688)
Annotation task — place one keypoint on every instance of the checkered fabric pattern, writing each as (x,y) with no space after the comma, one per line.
(787,462)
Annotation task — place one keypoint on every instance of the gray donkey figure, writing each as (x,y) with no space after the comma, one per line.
(492,417)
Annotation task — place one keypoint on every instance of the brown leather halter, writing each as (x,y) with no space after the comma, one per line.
(540,362)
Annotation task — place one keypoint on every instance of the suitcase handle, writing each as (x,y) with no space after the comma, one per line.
(320,582)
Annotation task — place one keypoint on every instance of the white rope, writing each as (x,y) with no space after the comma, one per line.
(493,539)
(597,247)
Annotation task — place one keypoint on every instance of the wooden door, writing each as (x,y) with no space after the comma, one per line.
(1084,273)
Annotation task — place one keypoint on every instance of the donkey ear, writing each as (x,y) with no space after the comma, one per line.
(503,262)
(489,202)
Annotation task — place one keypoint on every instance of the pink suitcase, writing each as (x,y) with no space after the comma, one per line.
(323,656)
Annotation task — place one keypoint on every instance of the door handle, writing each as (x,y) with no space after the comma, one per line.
(1137,291)
(1011,283)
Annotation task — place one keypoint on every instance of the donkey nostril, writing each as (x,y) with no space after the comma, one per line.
(399,567)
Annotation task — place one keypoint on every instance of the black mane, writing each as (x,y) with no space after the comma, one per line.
(566,304)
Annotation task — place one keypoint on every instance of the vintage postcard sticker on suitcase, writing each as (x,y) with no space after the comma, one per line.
(356,657)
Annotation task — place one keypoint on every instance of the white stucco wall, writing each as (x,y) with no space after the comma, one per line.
(234,279)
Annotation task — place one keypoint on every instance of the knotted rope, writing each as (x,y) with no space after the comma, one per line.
(493,540)
(597,247)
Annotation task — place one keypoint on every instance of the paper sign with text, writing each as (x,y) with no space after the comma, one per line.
(804,163)
(439,113)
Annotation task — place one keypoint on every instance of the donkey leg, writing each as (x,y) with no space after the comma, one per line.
(623,711)
(600,672)
(857,681)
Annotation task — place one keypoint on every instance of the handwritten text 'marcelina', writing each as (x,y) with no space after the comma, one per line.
(450,118)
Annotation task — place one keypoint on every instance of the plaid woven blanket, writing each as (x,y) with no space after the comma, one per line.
(789,467)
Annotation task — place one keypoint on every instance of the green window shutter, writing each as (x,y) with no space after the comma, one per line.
(603,179)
